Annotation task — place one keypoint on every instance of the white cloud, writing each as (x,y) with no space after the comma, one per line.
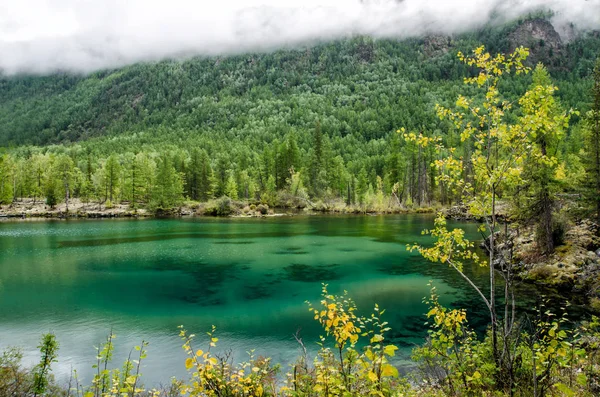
(41,36)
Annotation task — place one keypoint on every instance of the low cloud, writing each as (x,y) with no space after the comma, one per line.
(44,36)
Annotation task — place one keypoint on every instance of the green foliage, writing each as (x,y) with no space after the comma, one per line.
(168,189)
(590,153)
(49,353)
(231,188)
(6,179)
(326,112)
(222,206)
(452,358)
(545,124)
(508,156)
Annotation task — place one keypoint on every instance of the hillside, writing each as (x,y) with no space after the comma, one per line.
(358,86)
(318,122)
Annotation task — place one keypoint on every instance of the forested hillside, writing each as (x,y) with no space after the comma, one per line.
(245,125)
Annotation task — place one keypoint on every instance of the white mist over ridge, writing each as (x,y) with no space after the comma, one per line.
(43,36)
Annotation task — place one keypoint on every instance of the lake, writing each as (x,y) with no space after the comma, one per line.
(249,277)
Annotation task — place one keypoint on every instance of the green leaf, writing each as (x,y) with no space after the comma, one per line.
(564,389)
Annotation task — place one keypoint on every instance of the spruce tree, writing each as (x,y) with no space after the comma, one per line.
(6,177)
(112,169)
(231,188)
(168,190)
(316,162)
(592,185)
(64,170)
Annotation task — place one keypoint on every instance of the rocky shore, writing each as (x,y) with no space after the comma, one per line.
(574,267)
(28,209)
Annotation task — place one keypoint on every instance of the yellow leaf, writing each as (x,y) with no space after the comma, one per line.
(189,363)
(376,338)
(259,391)
(199,353)
(372,376)
(389,370)
(432,312)
(390,350)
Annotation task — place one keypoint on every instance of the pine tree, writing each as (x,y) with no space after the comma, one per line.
(592,158)
(6,179)
(64,173)
(231,187)
(38,164)
(317,177)
(112,170)
(168,189)
(221,175)
(362,186)
(269,194)
(193,174)
(199,176)
(51,187)
(206,178)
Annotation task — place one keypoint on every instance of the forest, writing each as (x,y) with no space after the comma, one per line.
(299,128)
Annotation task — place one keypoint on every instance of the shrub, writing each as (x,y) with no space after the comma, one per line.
(559,230)
(223,206)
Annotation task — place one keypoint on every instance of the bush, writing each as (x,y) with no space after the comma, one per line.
(223,206)
(263,209)
(559,230)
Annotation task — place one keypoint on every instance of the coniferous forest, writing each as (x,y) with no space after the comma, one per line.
(318,124)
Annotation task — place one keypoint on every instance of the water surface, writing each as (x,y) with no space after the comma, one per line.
(249,277)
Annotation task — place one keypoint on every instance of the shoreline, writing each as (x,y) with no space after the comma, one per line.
(27,210)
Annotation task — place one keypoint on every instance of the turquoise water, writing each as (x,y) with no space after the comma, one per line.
(249,277)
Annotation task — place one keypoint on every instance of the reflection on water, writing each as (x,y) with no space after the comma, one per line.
(249,277)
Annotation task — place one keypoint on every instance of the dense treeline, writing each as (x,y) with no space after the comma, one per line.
(316,124)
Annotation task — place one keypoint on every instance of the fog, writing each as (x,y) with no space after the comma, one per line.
(44,36)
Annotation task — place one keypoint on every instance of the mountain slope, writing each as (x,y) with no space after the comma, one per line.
(360,86)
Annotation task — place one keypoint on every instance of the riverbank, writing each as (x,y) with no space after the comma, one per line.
(30,209)
(573,267)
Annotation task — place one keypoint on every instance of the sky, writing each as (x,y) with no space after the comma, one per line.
(45,36)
